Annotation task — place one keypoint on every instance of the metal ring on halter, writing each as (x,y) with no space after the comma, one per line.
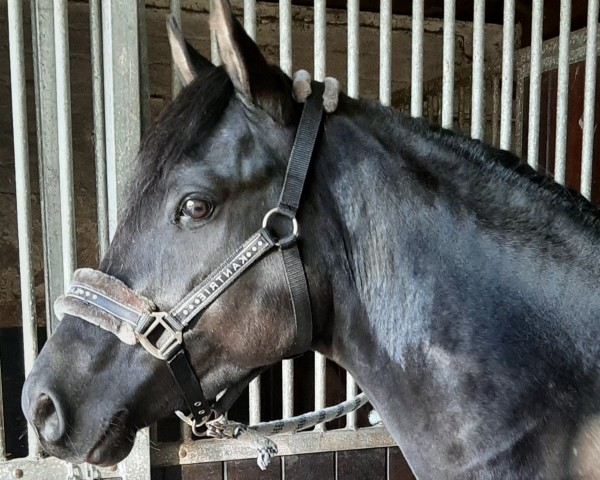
(189,420)
(281,240)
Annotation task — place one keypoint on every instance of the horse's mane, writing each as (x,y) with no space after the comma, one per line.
(493,163)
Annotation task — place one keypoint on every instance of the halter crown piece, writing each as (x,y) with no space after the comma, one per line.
(108,303)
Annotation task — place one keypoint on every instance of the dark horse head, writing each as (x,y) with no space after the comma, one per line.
(456,285)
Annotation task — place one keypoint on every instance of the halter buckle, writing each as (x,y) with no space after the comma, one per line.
(174,337)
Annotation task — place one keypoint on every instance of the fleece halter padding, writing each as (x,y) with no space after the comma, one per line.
(90,290)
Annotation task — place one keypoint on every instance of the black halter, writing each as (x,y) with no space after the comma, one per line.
(161,333)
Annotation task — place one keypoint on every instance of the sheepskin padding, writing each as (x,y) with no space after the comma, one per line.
(110,287)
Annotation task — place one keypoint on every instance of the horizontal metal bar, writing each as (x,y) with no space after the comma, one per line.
(289,444)
(53,469)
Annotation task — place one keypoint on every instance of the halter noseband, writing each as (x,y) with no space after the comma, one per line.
(107,302)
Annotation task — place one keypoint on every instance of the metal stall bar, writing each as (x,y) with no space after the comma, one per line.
(353,48)
(175,11)
(562,93)
(495,110)
(2,438)
(65,151)
(416,84)
(285,36)
(353,91)
(99,137)
(44,69)
(122,104)
(478,90)
(589,97)
(385,52)
(508,47)
(320,66)
(250,18)
(535,82)
(448,64)
(254,397)
(23,193)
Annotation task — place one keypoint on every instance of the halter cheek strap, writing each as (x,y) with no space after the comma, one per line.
(105,301)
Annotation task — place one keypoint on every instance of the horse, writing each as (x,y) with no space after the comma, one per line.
(456,284)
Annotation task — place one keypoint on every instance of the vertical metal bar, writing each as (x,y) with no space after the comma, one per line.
(254,401)
(448,65)
(535,82)
(175,11)
(351,391)
(320,65)
(385,52)
(508,53)
(186,432)
(144,74)
(461,109)
(287,388)
(495,110)
(478,90)
(320,39)
(121,98)
(416,84)
(2,438)
(99,137)
(23,191)
(589,97)
(285,61)
(250,18)
(65,152)
(42,22)
(562,93)
(320,389)
(123,110)
(353,48)
(285,36)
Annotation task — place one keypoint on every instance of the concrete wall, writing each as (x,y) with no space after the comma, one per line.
(195,26)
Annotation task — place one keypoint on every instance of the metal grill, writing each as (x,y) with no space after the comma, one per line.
(458,98)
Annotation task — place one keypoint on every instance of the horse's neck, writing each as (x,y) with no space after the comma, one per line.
(429,299)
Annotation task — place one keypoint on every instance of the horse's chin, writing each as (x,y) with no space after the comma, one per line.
(115,442)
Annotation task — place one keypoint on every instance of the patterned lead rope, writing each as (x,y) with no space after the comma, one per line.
(255,436)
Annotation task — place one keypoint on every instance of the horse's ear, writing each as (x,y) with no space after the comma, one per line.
(188,62)
(257,82)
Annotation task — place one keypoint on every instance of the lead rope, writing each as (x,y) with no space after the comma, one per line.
(256,436)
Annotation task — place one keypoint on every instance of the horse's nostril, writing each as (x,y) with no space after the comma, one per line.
(46,418)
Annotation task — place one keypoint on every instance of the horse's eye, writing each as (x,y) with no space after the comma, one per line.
(196,208)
